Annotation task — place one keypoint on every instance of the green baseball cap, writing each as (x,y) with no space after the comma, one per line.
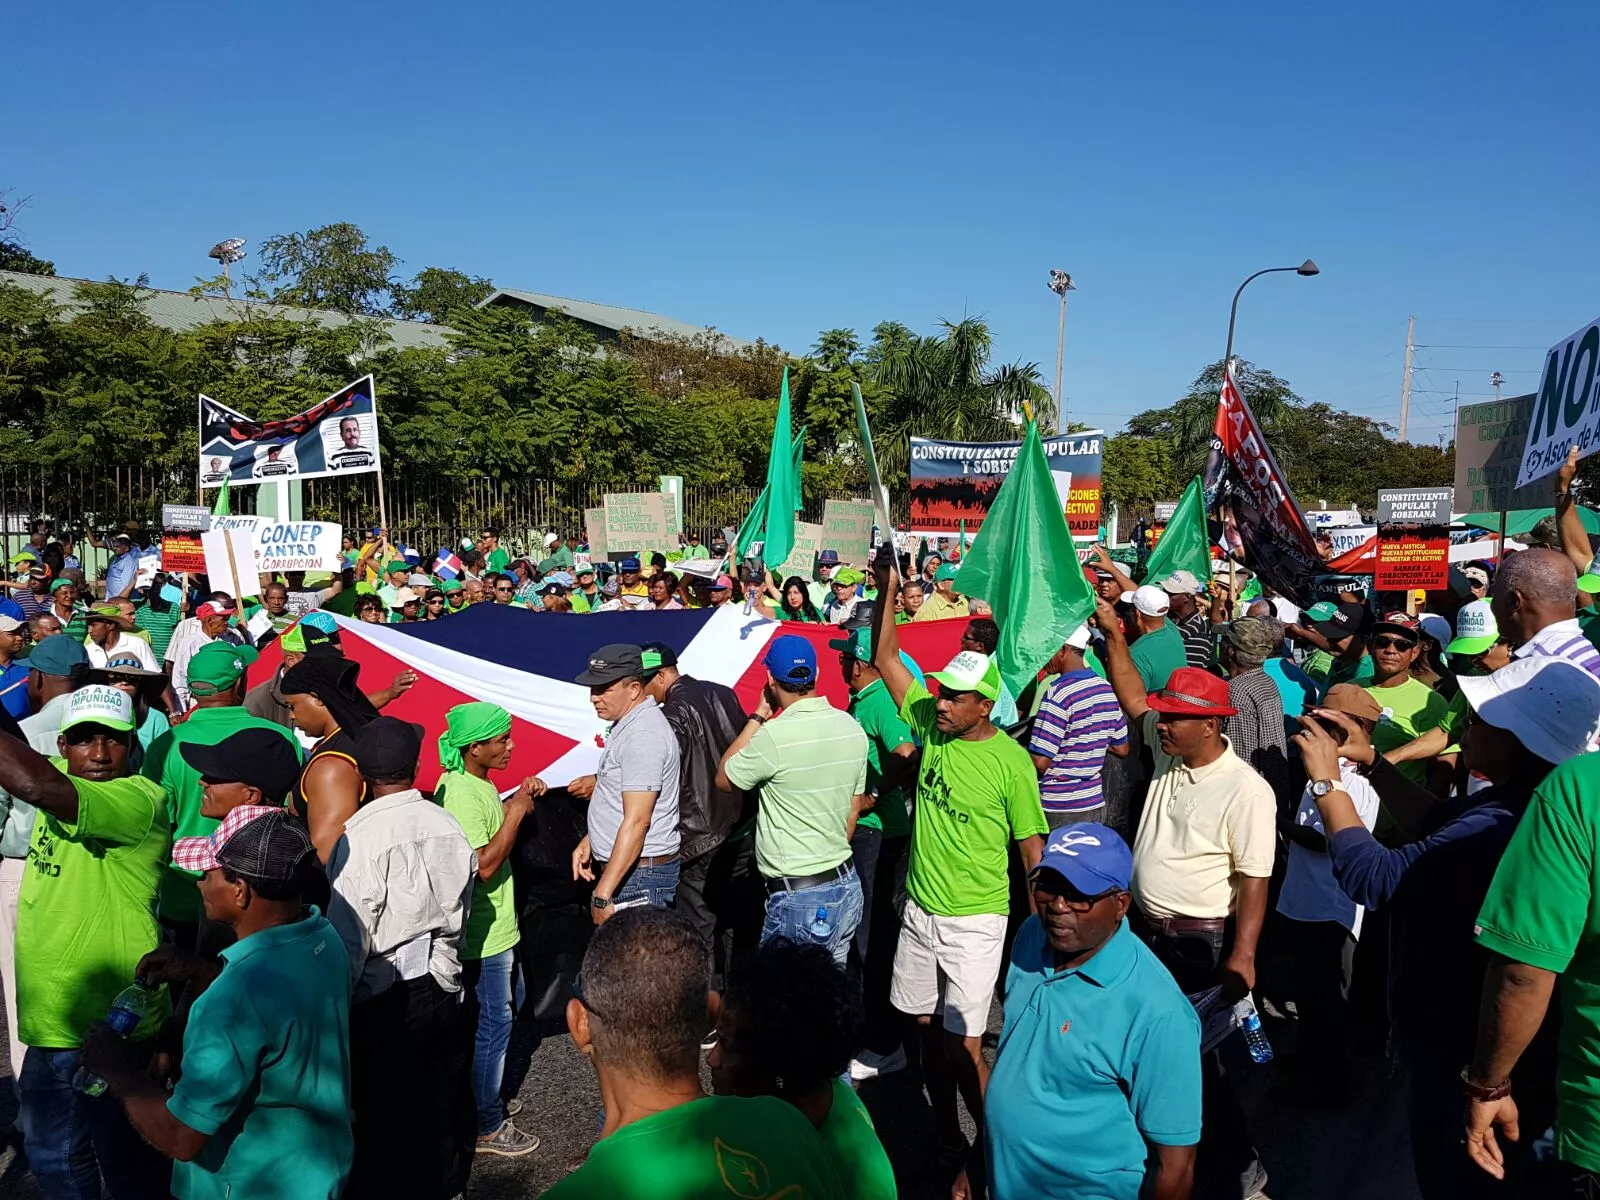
(1476,629)
(218,665)
(858,644)
(1323,610)
(946,571)
(99,704)
(1589,583)
(971,671)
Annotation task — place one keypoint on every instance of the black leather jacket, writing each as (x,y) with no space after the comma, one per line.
(706,717)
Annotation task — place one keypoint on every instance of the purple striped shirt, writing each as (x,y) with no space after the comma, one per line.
(1078,720)
(1565,640)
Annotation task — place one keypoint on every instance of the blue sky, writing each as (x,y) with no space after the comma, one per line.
(776,170)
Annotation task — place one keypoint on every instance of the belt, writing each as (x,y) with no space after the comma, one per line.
(1170,926)
(795,883)
(644,860)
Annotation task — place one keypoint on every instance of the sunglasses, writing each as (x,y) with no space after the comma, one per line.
(1393,643)
(502,587)
(1075,900)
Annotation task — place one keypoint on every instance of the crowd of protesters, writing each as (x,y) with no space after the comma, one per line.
(243,953)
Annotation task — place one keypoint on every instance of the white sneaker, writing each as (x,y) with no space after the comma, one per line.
(870,1065)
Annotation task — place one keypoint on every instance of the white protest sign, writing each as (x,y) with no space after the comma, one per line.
(231,562)
(297,545)
(1567,411)
(1346,538)
(802,559)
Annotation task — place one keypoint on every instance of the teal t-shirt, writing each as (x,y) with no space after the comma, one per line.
(266,1070)
(1157,654)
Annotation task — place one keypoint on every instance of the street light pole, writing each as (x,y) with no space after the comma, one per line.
(1306,268)
(1061,283)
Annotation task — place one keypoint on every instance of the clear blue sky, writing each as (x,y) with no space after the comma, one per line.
(778,169)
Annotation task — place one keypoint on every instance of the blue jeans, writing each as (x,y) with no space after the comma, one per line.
(70,1138)
(658,885)
(824,915)
(491,981)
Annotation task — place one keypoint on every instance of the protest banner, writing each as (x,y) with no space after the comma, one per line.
(185,518)
(1249,494)
(1564,413)
(336,436)
(1489,439)
(802,560)
(672,486)
(594,532)
(1347,537)
(956,481)
(182,551)
(230,562)
(847,528)
(1413,539)
(297,545)
(637,523)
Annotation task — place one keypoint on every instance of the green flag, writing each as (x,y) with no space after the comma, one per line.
(1028,571)
(220,506)
(750,530)
(1185,545)
(799,452)
(782,485)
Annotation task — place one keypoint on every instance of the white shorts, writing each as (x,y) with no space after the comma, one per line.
(947,967)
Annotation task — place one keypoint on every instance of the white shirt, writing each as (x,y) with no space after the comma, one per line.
(402,876)
(1309,891)
(186,639)
(124,647)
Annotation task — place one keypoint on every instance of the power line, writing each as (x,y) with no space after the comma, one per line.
(1447,346)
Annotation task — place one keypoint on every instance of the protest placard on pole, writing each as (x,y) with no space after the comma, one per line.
(298,546)
(185,518)
(637,522)
(1564,413)
(594,532)
(1413,539)
(847,528)
(672,486)
(1489,440)
(230,562)
(802,559)
(182,552)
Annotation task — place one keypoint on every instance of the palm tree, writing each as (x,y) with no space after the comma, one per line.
(1187,424)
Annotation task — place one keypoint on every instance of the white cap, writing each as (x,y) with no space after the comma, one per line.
(9,624)
(1078,639)
(404,596)
(1181,583)
(1550,704)
(99,704)
(1476,629)
(1151,601)
(551,539)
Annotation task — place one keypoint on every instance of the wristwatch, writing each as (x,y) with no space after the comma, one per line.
(599,901)
(1484,1091)
(757,718)
(1321,787)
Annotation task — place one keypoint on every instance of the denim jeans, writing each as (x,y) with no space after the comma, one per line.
(824,915)
(491,982)
(658,885)
(70,1138)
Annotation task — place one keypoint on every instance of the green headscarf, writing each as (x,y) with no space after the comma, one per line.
(478,721)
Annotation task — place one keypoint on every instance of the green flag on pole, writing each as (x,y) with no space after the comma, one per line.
(799,453)
(750,530)
(782,485)
(1185,545)
(220,506)
(1028,571)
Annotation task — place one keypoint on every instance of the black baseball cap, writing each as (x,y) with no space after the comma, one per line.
(388,747)
(655,655)
(261,758)
(1348,620)
(620,660)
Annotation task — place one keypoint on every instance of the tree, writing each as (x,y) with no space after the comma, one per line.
(329,267)
(436,292)
(1187,423)
(1137,472)
(14,256)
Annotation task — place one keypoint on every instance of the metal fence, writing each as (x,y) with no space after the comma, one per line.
(427,512)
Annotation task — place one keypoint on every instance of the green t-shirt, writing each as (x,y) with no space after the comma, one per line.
(1543,909)
(873,708)
(1455,722)
(497,559)
(86,914)
(1317,665)
(492,919)
(266,1070)
(1360,673)
(159,625)
(1157,654)
(852,1141)
(344,604)
(973,799)
(180,898)
(757,1148)
(1409,709)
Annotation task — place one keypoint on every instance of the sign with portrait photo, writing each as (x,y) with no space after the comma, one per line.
(336,436)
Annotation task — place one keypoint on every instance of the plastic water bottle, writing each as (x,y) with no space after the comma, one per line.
(819,924)
(128,1011)
(1255,1038)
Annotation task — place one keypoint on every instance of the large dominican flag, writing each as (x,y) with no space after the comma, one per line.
(525,662)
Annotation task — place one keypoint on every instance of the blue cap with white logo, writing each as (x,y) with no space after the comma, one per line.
(1093,857)
(791,659)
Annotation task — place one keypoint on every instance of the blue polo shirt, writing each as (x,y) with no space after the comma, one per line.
(1094,1063)
(14,690)
(266,1070)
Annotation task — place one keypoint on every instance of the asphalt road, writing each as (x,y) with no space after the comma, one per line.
(1311,1153)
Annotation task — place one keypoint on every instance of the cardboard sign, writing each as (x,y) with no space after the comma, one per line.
(672,485)
(186,518)
(847,528)
(1413,539)
(594,532)
(1489,441)
(637,522)
(182,552)
(231,562)
(802,560)
(297,546)
(1565,413)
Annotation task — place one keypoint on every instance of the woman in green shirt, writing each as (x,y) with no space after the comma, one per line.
(789,1024)
(793,603)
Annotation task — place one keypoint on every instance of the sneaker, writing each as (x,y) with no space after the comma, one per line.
(513,1107)
(868,1065)
(508,1141)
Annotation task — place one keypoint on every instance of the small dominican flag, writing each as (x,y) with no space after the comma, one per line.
(448,566)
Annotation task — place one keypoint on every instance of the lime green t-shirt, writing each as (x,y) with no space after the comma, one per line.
(873,708)
(86,914)
(757,1148)
(492,920)
(852,1142)
(164,763)
(1317,665)
(1409,710)
(973,799)
(1543,909)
